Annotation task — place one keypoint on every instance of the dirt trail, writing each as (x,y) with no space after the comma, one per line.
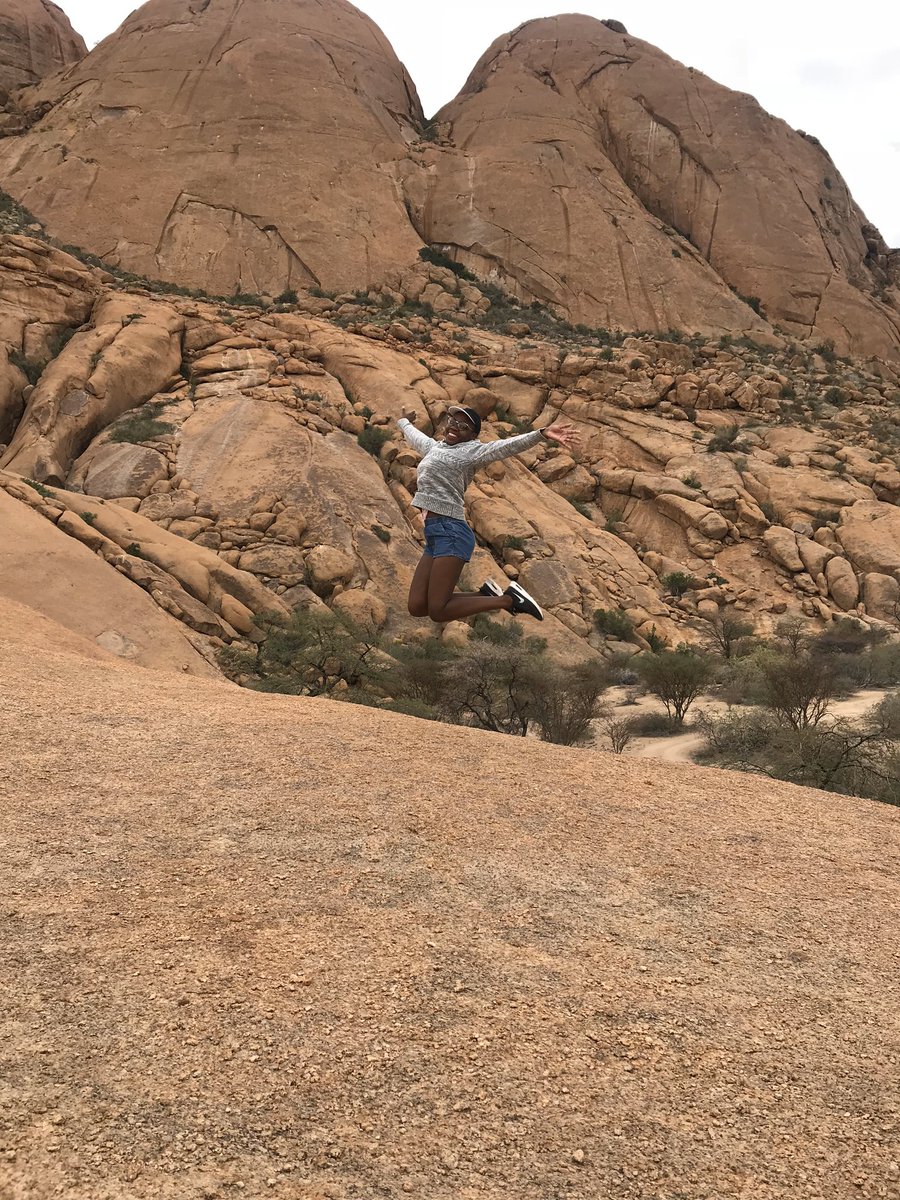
(683,746)
(265,946)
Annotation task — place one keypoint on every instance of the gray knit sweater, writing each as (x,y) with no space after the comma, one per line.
(446,471)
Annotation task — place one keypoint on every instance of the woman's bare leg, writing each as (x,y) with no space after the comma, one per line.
(444,606)
(418,589)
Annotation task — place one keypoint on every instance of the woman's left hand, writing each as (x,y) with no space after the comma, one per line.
(564,434)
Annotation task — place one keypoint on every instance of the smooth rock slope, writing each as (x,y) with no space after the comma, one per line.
(36,39)
(254,946)
(231,145)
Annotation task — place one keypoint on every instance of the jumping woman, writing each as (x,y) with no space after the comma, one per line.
(447,468)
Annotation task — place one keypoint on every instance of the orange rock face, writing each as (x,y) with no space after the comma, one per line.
(229,147)
(36,39)
(261,147)
(592,161)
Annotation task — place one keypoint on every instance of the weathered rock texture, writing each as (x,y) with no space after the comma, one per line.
(229,145)
(294,956)
(590,161)
(211,456)
(36,39)
(264,147)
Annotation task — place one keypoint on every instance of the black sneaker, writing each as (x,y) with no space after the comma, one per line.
(523,604)
(489,588)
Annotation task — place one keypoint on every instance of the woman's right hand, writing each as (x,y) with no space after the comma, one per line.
(410,414)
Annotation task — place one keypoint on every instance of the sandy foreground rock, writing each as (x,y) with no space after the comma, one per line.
(265,946)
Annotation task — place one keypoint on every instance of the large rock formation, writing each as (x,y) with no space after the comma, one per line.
(280,146)
(36,39)
(210,454)
(601,174)
(229,146)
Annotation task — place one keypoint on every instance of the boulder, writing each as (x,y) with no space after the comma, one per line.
(781,544)
(118,469)
(842,583)
(328,567)
(881,596)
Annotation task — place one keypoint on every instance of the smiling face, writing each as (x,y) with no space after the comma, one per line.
(458,430)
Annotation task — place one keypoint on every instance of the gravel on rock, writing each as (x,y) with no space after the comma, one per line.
(266,946)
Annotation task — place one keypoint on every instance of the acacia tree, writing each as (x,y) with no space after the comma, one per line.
(677,677)
(799,689)
(727,634)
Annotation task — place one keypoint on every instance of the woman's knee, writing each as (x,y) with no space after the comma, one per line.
(417,608)
(438,613)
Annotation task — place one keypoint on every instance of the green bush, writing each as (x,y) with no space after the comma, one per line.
(373,438)
(514,543)
(438,259)
(143,426)
(677,677)
(581,508)
(39,488)
(613,622)
(692,481)
(678,582)
(288,296)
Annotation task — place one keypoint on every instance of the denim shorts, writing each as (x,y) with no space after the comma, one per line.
(445,537)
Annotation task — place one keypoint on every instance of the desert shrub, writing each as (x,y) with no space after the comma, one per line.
(692,481)
(383,535)
(514,543)
(39,488)
(619,731)
(783,460)
(613,518)
(729,635)
(493,683)
(438,259)
(724,440)
(288,296)
(373,438)
(614,623)
(859,758)
(678,582)
(798,689)
(653,724)
(677,677)
(143,426)
(788,392)
(311,652)
(581,508)
(567,701)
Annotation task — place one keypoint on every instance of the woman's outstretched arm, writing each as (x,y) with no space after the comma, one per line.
(419,441)
(563,434)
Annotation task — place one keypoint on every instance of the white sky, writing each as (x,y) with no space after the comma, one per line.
(830,68)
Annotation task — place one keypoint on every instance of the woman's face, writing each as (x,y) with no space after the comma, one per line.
(458,430)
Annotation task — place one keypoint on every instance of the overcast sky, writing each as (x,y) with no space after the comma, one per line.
(830,68)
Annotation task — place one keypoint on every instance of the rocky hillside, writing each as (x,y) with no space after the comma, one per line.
(36,40)
(269,955)
(231,459)
(260,147)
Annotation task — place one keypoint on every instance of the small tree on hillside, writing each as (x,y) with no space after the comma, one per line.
(677,677)
(567,702)
(729,635)
(799,689)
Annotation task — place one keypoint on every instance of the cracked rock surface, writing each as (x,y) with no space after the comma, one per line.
(244,146)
